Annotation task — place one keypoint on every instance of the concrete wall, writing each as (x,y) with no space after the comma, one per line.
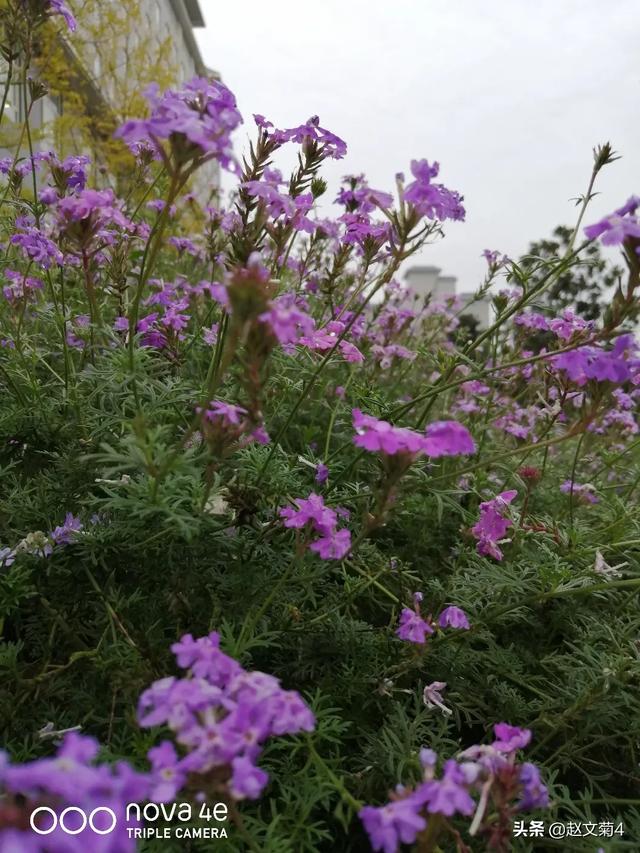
(427,281)
(171,20)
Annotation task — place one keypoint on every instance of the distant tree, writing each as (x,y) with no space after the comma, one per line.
(583,287)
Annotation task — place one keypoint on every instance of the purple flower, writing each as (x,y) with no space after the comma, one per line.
(59,7)
(534,792)
(399,822)
(333,545)
(37,247)
(597,364)
(532,320)
(247,780)
(66,533)
(226,413)
(510,738)
(350,352)
(449,795)
(453,617)
(568,324)
(322,473)
(287,320)
(311,132)
(432,698)
(493,524)
(21,287)
(7,556)
(615,228)
(220,715)
(584,491)
(448,438)
(413,628)
(377,435)
(70,780)
(311,510)
(168,778)
(196,121)
(434,201)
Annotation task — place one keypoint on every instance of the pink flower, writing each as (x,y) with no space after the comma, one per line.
(448,438)
(334,545)
(377,435)
(453,617)
(413,628)
(492,524)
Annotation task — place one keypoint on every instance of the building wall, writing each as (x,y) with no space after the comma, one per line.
(426,281)
(165,21)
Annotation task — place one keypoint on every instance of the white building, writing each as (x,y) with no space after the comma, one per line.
(164,22)
(426,281)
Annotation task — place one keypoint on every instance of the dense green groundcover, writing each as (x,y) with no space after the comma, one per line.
(116,338)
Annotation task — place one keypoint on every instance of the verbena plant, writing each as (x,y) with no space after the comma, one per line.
(407,554)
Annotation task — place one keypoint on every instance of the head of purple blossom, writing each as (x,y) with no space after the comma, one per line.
(453,617)
(398,822)
(91,217)
(37,247)
(322,473)
(72,780)
(448,438)
(220,716)
(432,696)
(21,287)
(493,523)
(288,319)
(432,200)
(450,794)
(312,513)
(510,738)
(494,259)
(311,134)
(188,126)
(377,435)
(412,627)
(534,792)
(582,491)
(59,7)
(220,411)
(594,363)
(357,195)
(615,228)
(65,533)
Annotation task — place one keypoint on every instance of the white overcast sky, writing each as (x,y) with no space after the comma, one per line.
(509,96)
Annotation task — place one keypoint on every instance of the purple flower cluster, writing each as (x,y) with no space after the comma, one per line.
(37,247)
(484,771)
(59,7)
(434,201)
(196,121)
(493,523)
(220,716)
(39,544)
(311,513)
(21,287)
(88,218)
(414,628)
(36,792)
(615,228)
(308,133)
(224,424)
(441,438)
(581,491)
(617,365)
